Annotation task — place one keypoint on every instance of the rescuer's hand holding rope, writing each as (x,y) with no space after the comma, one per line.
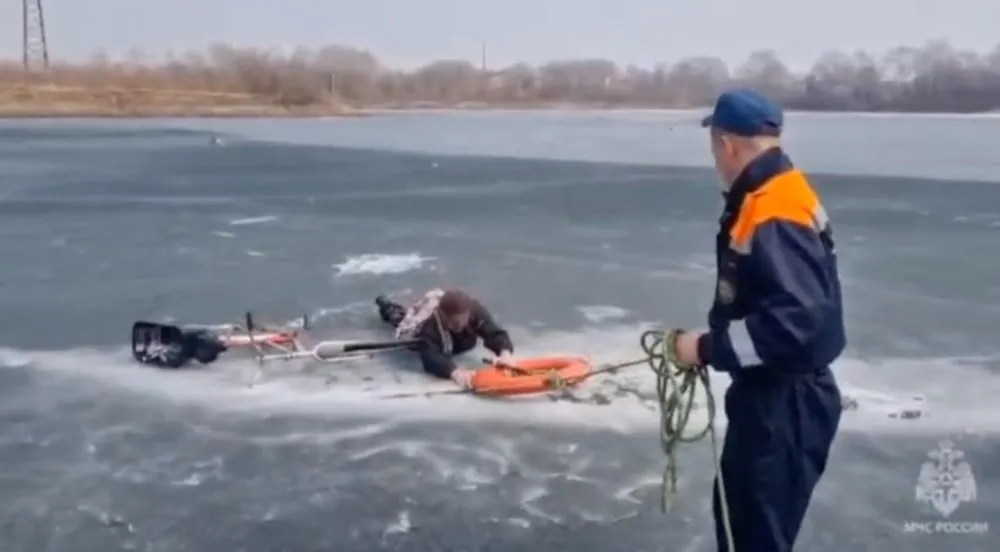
(686,348)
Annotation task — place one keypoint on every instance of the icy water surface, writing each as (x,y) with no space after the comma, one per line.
(102,223)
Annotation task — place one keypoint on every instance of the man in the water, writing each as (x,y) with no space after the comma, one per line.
(447,323)
(777,277)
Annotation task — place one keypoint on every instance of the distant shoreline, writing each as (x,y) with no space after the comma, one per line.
(48,101)
(224,81)
(55,102)
(208,112)
(264,111)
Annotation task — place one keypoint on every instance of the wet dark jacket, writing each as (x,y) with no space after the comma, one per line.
(777,275)
(481,326)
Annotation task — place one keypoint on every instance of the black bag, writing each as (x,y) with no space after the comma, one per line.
(168,346)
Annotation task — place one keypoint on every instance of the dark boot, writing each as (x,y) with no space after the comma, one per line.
(390,312)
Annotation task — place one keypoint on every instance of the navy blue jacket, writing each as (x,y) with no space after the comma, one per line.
(481,325)
(777,275)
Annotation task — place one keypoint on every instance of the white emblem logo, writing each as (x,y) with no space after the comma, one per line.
(725,291)
(946,479)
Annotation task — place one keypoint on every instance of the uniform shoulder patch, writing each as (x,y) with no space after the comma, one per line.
(725,292)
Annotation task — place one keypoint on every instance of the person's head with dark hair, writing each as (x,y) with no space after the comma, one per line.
(455,308)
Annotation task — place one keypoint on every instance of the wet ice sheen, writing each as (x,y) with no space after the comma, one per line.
(98,454)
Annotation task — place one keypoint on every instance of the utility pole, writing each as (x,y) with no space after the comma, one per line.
(34,45)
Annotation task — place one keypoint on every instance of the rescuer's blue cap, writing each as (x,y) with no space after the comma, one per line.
(744,112)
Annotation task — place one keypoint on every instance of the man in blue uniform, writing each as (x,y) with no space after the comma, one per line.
(777,278)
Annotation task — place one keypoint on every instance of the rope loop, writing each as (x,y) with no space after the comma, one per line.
(676,385)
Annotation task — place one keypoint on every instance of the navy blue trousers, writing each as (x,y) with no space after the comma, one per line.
(775,451)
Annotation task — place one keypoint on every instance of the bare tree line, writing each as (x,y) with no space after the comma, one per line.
(932,78)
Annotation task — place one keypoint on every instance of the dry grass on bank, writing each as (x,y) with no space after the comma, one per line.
(180,91)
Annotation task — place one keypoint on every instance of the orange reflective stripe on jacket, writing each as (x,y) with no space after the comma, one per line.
(777,275)
(786,197)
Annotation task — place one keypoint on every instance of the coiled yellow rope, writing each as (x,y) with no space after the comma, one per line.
(675,389)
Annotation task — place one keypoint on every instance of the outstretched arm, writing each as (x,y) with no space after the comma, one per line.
(432,355)
(435,362)
(495,337)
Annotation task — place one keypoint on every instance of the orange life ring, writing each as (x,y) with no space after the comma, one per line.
(534,375)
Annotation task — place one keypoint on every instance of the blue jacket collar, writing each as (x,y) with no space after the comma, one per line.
(765,167)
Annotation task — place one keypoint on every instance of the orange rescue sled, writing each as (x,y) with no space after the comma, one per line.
(533,375)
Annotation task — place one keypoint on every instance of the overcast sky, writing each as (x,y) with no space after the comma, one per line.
(407,33)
